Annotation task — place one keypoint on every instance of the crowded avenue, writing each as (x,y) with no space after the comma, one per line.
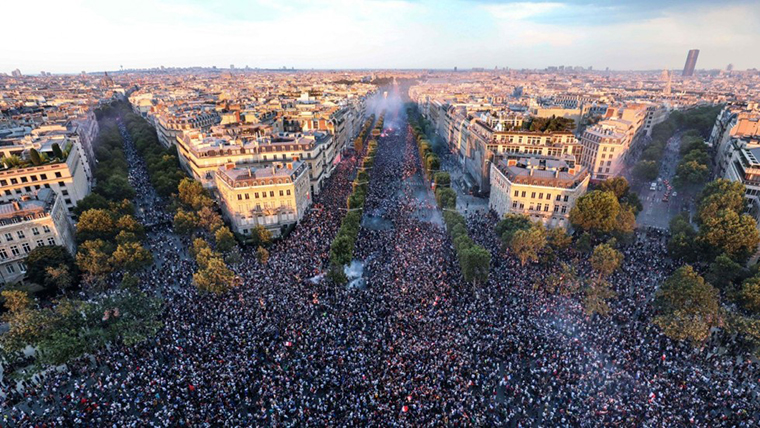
(412,344)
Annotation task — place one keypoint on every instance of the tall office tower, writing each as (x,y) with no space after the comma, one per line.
(691,62)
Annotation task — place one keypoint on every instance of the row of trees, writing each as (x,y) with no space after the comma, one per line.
(109,239)
(700,120)
(474,260)
(162,164)
(430,161)
(342,247)
(196,216)
(73,327)
(362,137)
(694,166)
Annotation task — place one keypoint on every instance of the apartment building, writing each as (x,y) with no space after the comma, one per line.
(274,197)
(27,223)
(70,178)
(543,188)
(605,146)
(202,154)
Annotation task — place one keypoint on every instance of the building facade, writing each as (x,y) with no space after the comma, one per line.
(273,197)
(28,223)
(542,188)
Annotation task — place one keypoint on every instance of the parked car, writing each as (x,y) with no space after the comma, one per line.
(653,186)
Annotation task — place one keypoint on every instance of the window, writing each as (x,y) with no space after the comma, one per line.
(43,176)
(522,206)
(287,192)
(514,204)
(8,193)
(566,198)
(51,241)
(68,201)
(538,207)
(3,182)
(559,197)
(517,193)
(58,174)
(10,269)
(271,193)
(46,228)
(247,196)
(564,209)
(282,193)
(240,197)
(14,250)
(523,194)
(540,196)
(14,181)
(25,246)
(263,194)
(556,208)
(65,192)
(40,243)
(548,196)
(256,195)
(8,237)
(608,170)
(61,184)
(21,234)
(3,254)
(24,180)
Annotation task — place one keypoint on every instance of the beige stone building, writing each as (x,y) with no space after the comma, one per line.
(71,179)
(273,196)
(543,188)
(28,223)
(202,154)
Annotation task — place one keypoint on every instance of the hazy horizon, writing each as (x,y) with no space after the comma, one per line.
(69,36)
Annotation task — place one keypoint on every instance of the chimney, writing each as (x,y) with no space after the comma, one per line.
(16,205)
(229,166)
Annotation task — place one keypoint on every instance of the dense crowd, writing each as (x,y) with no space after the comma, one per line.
(416,347)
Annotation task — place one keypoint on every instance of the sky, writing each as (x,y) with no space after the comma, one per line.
(69,36)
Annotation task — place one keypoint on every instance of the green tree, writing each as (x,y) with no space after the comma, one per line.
(34,156)
(688,306)
(193,195)
(618,185)
(510,224)
(131,256)
(91,201)
(96,224)
(750,294)
(446,198)
(605,259)
(225,241)
(731,233)
(442,179)
(44,257)
(682,243)
(596,297)
(596,211)
(475,262)
(57,152)
(646,170)
(720,195)
(526,244)
(723,272)
(185,222)
(262,255)
(92,257)
(210,219)
(216,277)
(59,277)
(127,223)
(341,250)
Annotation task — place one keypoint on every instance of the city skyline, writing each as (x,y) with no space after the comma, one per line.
(381,34)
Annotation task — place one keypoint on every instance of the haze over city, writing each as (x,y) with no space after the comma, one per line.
(70,36)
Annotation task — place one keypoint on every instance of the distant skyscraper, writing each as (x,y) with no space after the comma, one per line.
(730,67)
(16,73)
(691,62)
